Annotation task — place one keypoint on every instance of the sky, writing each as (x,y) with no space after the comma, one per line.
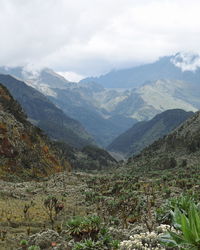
(80,38)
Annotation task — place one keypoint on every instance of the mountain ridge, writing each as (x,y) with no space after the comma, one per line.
(164,68)
(45,114)
(145,133)
(106,113)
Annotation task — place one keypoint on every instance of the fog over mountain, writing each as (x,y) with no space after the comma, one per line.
(182,66)
(169,83)
(91,38)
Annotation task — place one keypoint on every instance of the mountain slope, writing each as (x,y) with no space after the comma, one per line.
(102,126)
(145,133)
(106,113)
(180,148)
(88,158)
(24,151)
(82,102)
(45,114)
(169,67)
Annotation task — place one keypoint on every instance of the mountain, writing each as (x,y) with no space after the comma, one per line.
(181,66)
(45,114)
(155,97)
(107,113)
(144,133)
(179,148)
(82,102)
(24,151)
(39,79)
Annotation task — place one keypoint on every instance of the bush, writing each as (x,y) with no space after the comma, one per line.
(84,227)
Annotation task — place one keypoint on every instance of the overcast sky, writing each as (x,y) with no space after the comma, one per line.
(91,37)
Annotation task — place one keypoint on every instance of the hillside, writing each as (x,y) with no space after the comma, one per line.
(88,158)
(24,150)
(145,133)
(180,148)
(46,115)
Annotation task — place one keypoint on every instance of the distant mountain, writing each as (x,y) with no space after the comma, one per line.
(79,103)
(107,113)
(24,151)
(46,115)
(180,148)
(155,97)
(182,66)
(82,102)
(145,133)
(42,80)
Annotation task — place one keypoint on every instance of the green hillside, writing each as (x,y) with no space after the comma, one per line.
(145,133)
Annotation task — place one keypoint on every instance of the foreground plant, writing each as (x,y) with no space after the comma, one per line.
(89,234)
(187,229)
(164,214)
(84,227)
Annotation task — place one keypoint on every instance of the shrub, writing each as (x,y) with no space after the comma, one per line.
(84,227)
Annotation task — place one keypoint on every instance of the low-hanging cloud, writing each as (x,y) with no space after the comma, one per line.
(92,37)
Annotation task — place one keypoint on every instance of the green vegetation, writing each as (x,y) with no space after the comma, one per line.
(101,211)
(84,227)
(88,158)
(131,206)
(144,133)
(186,225)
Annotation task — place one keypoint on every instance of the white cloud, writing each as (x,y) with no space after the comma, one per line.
(186,61)
(71,76)
(92,37)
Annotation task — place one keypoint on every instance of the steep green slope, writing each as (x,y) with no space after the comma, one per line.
(46,115)
(180,148)
(145,133)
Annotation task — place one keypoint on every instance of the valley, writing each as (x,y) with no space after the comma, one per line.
(105,111)
(99,125)
(60,189)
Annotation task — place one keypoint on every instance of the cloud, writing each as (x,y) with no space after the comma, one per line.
(72,76)
(186,61)
(92,37)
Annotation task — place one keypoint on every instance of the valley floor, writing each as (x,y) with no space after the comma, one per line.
(129,206)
